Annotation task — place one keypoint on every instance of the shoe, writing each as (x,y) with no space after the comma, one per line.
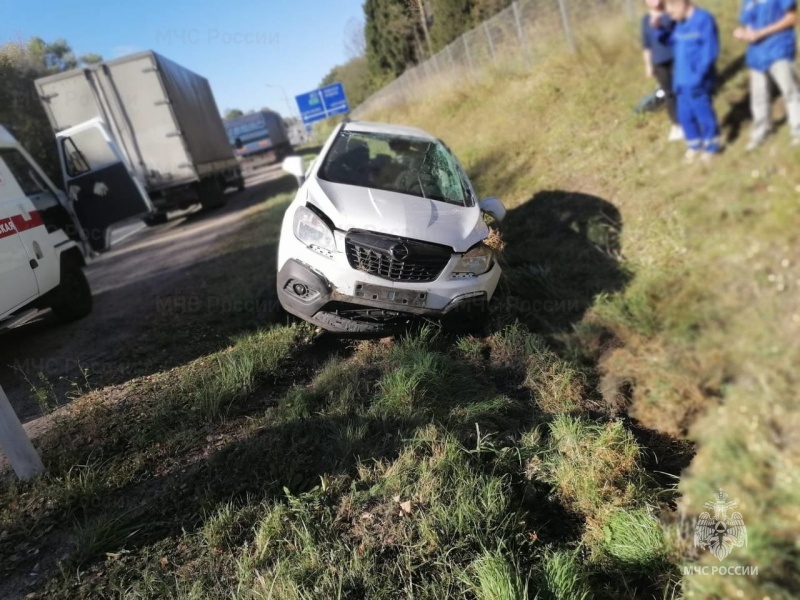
(754,144)
(675,134)
(690,156)
(708,157)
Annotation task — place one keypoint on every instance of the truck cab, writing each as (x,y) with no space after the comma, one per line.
(46,236)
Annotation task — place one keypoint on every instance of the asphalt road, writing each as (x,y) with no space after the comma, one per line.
(125,335)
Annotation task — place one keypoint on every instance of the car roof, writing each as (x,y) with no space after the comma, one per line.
(388,128)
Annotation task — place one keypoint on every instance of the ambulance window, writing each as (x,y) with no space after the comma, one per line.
(87,151)
(23,172)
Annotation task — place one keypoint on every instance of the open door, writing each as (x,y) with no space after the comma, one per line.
(98,182)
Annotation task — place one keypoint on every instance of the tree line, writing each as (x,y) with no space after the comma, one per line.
(397,34)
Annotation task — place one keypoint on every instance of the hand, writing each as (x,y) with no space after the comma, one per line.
(746,34)
(655,20)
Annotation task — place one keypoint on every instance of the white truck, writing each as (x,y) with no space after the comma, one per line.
(47,235)
(161,116)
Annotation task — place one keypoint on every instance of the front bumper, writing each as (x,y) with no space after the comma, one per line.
(326,301)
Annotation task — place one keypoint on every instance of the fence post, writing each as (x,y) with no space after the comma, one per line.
(15,443)
(521,35)
(450,55)
(469,56)
(489,39)
(567,27)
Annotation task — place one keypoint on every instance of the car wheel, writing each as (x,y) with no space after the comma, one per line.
(156,218)
(72,299)
(211,193)
(471,319)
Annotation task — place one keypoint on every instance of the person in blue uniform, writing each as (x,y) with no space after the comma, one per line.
(695,46)
(769,27)
(658,61)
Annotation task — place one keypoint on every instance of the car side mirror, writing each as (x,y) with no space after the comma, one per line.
(294,166)
(494,207)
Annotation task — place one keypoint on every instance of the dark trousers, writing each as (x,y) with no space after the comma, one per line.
(663,74)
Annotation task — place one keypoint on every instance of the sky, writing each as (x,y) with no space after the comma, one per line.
(252,52)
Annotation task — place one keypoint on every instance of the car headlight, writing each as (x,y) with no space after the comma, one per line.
(312,231)
(476,261)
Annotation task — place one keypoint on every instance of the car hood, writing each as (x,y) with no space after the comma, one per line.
(412,217)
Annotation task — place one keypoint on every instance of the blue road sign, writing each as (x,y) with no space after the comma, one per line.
(322,103)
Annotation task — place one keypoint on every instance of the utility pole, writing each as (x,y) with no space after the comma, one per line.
(15,444)
(285,99)
(424,18)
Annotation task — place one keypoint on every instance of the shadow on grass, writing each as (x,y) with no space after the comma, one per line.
(562,250)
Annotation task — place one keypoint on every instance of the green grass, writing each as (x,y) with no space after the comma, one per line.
(644,303)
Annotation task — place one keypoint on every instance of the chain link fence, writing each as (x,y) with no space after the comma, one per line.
(518,36)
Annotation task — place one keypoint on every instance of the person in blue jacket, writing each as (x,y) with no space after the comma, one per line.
(768,26)
(695,45)
(658,61)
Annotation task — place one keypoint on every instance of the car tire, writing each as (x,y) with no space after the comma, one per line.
(474,320)
(211,193)
(72,299)
(156,218)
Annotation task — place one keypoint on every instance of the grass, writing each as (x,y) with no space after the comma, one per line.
(645,304)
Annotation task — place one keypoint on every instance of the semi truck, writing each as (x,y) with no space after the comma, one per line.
(258,138)
(161,117)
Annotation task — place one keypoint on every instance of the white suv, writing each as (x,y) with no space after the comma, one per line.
(385,227)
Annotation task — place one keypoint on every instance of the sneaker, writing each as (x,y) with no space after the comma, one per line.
(754,144)
(690,156)
(708,157)
(675,134)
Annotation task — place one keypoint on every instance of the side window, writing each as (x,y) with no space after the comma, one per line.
(23,172)
(87,151)
(76,161)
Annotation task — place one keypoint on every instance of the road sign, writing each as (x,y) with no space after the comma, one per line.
(322,103)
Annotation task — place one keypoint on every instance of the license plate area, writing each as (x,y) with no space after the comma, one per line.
(379,293)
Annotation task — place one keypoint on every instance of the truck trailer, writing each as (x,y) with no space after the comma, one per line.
(161,116)
(259,137)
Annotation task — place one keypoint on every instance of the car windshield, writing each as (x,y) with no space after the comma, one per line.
(407,165)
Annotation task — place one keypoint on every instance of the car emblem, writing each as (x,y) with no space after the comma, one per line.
(399,252)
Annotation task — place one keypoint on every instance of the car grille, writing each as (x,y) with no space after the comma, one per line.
(395,259)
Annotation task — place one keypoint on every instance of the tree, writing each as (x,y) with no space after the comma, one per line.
(54,57)
(90,59)
(355,78)
(355,45)
(451,18)
(232,113)
(483,9)
(389,33)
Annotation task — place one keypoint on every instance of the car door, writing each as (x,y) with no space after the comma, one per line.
(17,279)
(38,213)
(99,182)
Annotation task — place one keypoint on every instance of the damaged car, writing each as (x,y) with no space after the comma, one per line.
(385,229)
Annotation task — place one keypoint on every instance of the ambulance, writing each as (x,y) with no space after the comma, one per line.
(46,235)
